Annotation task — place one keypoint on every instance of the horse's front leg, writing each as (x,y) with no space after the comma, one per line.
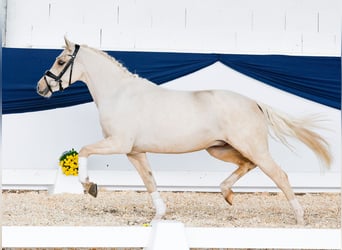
(106,146)
(89,187)
(140,162)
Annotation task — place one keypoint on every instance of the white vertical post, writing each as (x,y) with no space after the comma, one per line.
(66,184)
(167,235)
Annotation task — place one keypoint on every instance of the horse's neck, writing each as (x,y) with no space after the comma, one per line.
(103,76)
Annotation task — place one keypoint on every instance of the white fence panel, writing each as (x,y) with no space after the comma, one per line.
(209,237)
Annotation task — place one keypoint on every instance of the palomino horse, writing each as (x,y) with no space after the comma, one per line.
(137,116)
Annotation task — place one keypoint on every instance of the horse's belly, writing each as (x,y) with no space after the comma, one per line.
(174,148)
(176,143)
(178,127)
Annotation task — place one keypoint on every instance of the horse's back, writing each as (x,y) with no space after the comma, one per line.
(225,102)
(180,121)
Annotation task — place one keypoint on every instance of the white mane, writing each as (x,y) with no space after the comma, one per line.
(112,59)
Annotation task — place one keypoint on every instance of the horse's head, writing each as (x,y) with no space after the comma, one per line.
(65,71)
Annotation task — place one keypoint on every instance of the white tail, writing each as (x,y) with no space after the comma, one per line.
(284,125)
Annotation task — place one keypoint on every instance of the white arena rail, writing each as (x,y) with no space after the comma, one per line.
(165,235)
(204,181)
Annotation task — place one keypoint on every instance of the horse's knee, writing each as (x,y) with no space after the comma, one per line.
(84,152)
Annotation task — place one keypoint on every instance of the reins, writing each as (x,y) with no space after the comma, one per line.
(59,77)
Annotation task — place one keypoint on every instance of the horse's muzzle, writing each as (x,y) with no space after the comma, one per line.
(43,92)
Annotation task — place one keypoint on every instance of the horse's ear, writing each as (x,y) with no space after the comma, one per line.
(68,44)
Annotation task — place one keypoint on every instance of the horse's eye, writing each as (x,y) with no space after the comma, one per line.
(60,62)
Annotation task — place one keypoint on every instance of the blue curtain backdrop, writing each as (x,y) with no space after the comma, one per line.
(311,77)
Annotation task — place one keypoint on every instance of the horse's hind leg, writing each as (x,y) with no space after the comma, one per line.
(140,162)
(260,155)
(229,154)
(272,170)
(262,159)
(252,143)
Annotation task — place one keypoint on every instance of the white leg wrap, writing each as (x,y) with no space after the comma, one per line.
(159,205)
(82,169)
(227,183)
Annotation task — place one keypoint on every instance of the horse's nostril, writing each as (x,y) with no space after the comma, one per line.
(38,89)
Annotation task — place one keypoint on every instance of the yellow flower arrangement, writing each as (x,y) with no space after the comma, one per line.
(69,162)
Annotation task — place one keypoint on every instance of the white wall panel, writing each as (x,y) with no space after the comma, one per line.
(191,25)
(134,15)
(268,21)
(219,16)
(298,20)
(62,13)
(18,30)
(269,43)
(330,20)
(42,35)
(317,5)
(159,39)
(286,43)
(217,42)
(321,44)
(119,39)
(168,15)
(99,14)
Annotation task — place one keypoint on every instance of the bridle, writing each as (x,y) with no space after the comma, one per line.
(59,77)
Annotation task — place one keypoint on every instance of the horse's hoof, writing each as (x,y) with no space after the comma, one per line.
(93,190)
(228,196)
